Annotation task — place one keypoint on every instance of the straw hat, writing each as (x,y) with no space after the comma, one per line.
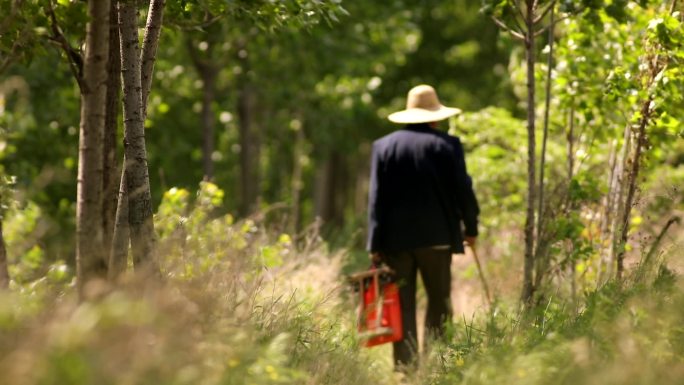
(423,106)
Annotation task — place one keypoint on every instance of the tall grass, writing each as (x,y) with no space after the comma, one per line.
(242,305)
(237,306)
(628,333)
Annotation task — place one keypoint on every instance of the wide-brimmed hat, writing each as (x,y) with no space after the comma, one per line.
(423,106)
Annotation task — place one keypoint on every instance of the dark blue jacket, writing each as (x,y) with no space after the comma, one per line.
(420,192)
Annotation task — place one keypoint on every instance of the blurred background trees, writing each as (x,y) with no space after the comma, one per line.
(277,104)
(257,128)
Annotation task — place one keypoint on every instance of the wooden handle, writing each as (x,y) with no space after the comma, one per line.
(369,273)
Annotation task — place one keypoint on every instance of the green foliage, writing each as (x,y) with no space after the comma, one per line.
(621,335)
(584,188)
(265,14)
(21,231)
(6,193)
(237,319)
(332,81)
(665,184)
(494,155)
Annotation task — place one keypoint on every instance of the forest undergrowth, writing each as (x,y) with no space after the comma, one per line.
(240,304)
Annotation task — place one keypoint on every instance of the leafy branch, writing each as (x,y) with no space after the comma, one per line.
(74,56)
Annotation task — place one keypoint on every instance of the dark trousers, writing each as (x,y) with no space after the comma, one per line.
(434,266)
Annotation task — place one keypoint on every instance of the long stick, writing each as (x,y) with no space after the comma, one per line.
(659,238)
(547,108)
(530,53)
(481,273)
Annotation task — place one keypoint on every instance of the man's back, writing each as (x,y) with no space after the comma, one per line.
(419,191)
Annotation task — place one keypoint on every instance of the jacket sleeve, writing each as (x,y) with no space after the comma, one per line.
(466,200)
(374,201)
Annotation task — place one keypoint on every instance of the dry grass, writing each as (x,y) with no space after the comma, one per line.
(242,305)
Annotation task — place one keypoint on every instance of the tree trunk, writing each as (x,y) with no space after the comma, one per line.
(528,287)
(110,175)
(570,140)
(118,254)
(331,190)
(207,71)
(655,67)
(139,79)
(148,56)
(322,199)
(4,274)
(208,120)
(90,256)
(136,170)
(297,182)
(631,186)
(342,190)
(609,214)
(619,196)
(208,67)
(541,255)
(250,147)
(361,182)
(620,228)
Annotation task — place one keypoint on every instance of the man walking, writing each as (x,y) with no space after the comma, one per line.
(420,196)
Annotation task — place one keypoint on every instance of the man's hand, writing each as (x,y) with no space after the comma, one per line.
(470,241)
(376,257)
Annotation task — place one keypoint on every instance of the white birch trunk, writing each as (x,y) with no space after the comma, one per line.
(90,256)
(118,257)
(110,180)
(136,170)
(148,56)
(134,219)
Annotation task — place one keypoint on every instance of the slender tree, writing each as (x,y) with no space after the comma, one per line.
(207,67)
(541,255)
(135,94)
(654,65)
(118,254)
(90,257)
(297,178)
(110,179)
(148,56)
(4,274)
(332,188)
(619,194)
(5,202)
(250,139)
(92,73)
(632,176)
(524,20)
